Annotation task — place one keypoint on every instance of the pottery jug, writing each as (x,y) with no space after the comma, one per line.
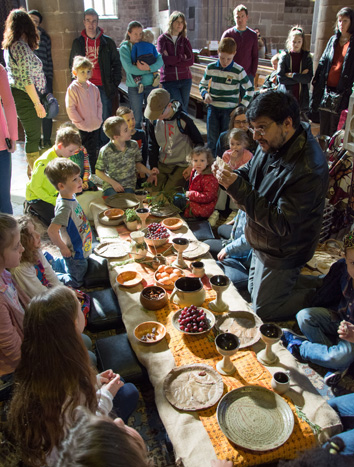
(188,291)
(138,247)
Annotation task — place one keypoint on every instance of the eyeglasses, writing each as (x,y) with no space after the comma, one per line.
(261,130)
(240,122)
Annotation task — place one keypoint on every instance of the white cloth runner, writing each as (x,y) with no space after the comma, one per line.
(188,436)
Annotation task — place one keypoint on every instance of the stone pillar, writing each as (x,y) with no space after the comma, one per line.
(324,25)
(62,19)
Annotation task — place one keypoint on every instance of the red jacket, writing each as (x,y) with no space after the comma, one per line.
(180,57)
(203,195)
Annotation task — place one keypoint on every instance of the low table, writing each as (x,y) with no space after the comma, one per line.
(189,432)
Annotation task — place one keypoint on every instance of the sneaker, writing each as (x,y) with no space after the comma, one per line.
(214,218)
(140,88)
(156,81)
(332,378)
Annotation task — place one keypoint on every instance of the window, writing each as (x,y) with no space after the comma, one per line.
(104,8)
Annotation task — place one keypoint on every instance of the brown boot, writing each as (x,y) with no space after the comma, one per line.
(31,157)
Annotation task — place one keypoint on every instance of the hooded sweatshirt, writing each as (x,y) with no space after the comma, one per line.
(91,52)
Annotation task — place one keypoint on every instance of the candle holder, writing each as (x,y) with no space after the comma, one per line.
(180,244)
(270,334)
(219,283)
(143,214)
(227,344)
(141,195)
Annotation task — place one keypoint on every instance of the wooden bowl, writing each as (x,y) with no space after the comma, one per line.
(151,303)
(129,278)
(146,328)
(172,223)
(114,214)
(168,286)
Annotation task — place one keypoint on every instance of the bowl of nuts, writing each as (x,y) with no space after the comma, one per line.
(153,297)
(156,234)
(150,332)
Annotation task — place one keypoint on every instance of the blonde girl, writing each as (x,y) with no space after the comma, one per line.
(237,155)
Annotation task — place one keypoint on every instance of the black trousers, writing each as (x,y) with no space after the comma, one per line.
(90,141)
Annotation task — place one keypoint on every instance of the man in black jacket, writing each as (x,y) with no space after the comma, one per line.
(103,53)
(282,189)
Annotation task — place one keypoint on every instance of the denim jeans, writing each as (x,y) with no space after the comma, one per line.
(323,346)
(217,121)
(5,185)
(106,112)
(179,91)
(344,406)
(112,191)
(125,401)
(136,102)
(70,271)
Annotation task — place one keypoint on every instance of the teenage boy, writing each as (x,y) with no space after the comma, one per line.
(223,93)
(246,40)
(120,160)
(171,139)
(41,195)
(70,230)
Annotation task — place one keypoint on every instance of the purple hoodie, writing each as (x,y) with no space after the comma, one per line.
(180,57)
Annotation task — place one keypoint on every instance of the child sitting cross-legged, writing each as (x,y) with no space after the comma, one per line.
(202,195)
(69,230)
(327,323)
(120,160)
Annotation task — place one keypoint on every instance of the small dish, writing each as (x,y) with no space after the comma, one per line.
(113,214)
(209,317)
(129,278)
(172,223)
(150,332)
(168,285)
(153,297)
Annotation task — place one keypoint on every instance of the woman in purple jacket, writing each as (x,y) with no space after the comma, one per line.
(177,54)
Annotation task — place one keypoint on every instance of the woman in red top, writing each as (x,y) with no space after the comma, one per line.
(335,72)
(177,55)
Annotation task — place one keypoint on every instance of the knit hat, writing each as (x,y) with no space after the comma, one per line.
(36,13)
(157,101)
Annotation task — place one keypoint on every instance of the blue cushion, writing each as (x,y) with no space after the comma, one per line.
(104,312)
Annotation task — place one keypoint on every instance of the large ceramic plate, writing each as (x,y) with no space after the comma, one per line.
(244,324)
(122,201)
(195,249)
(113,249)
(193,387)
(110,222)
(255,418)
(209,317)
(165,211)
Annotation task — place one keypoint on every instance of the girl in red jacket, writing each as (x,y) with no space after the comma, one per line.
(202,195)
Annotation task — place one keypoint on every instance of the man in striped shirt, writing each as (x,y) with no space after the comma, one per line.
(220,88)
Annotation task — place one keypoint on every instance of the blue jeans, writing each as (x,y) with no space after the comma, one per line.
(125,401)
(70,271)
(106,112)
(217,121)
(5,185)
(179,91)
(323,346)
(112,191)
(136,102)
(344,406)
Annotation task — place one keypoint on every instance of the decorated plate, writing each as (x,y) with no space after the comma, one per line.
(195,249)
(117,249)
(255,418)
(244,324)
(122,201)
(193,387)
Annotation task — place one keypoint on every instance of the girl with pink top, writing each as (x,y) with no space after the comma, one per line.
(8,137)
(12,300)
(237,155)
(84,106)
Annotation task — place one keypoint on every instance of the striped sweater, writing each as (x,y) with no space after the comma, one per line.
(223,85)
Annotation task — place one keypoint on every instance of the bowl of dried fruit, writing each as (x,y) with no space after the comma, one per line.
(150,332)
(193,320)
(153,297)
(156,234)
(166,276)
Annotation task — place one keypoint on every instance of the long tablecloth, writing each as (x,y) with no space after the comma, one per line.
(196,437)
